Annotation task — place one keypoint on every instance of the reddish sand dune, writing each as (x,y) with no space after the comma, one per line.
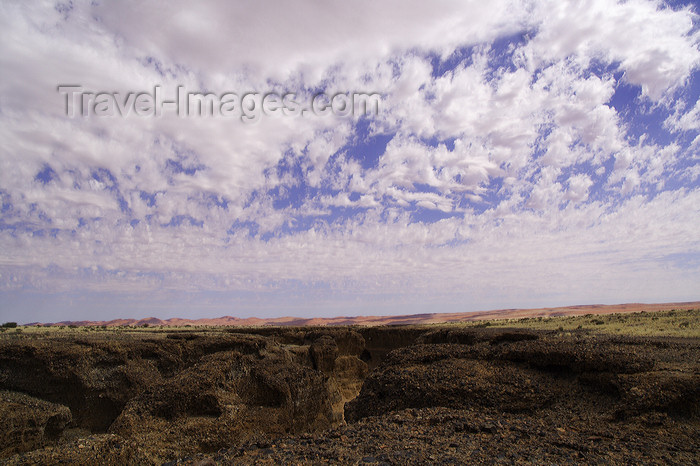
(394,320)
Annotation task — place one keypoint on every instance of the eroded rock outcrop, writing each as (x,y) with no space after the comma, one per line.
(323,352)
(519,371)
(28,423)
(96,376)
(182,392)
(270,394)
(225,398)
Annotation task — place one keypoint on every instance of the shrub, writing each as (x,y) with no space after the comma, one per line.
(10,325)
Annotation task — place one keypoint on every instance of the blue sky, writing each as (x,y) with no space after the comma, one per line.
(524,154)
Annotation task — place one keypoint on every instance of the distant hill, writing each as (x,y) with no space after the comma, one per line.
(414,319)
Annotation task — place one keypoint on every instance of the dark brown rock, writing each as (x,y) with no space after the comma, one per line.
(323,352)
(427,395)
(226,398)
(28,423)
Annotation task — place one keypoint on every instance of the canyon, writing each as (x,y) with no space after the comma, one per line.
(348,394)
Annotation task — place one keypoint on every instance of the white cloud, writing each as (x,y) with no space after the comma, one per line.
(655,45)
(684,121)
(578,187)
(544,183)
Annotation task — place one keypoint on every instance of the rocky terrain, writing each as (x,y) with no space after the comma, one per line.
(390,395)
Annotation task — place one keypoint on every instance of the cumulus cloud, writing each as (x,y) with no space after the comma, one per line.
(521,149)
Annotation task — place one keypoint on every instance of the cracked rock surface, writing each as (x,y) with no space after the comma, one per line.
(351,396)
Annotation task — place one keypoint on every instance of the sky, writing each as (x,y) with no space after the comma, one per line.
(523,154)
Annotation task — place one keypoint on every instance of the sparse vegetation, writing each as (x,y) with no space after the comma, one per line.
(674,323)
